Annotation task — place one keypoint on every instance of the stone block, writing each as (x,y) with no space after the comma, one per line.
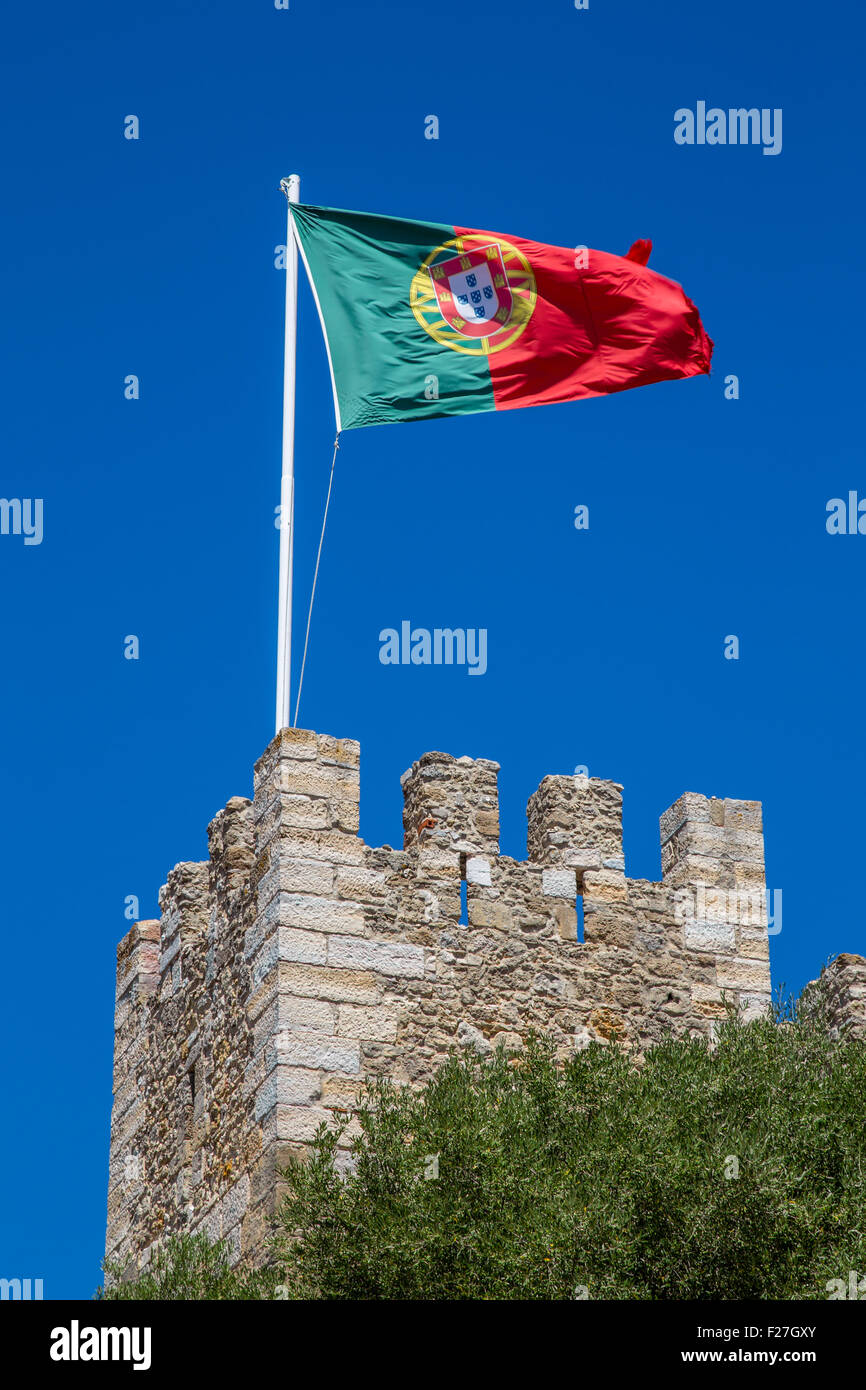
(317,982)
(710,936)
(314,913)
(582,858)
(383,957)
(605,885)
(478,871)
(745,974)
(298,1123)
(367,1023)
(365,885)
(559,883)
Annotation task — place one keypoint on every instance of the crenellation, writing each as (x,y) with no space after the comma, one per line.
(184,902)
(451,803)
(137,967)
(297,962)
(846,980)
(231,848)
(714,842)
(576,822)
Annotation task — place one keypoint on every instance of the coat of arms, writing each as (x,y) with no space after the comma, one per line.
(473,292)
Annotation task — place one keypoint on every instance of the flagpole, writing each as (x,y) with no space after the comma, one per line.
(291,187)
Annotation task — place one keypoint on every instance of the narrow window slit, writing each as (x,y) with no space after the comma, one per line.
(187,1096)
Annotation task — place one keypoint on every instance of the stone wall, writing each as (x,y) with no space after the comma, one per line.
(845,979)
(299,961)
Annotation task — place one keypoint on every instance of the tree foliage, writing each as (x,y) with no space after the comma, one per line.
(725,1171)
(722,1169)
(189,1268)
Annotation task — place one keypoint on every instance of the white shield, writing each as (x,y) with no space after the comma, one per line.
(475,297)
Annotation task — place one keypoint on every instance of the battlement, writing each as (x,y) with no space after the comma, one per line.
(298,961)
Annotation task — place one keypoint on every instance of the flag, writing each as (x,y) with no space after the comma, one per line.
(422,319)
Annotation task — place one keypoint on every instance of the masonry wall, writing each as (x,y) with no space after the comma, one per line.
(846,993)
(298,961)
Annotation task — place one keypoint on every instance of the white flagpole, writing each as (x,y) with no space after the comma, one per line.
(291,187)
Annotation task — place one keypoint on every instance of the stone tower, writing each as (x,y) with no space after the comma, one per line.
(299,961)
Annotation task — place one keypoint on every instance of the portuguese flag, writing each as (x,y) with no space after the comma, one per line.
(423,319)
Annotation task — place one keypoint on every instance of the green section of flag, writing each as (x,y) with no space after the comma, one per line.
(386,366)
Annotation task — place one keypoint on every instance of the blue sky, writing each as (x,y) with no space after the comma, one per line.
(605,647)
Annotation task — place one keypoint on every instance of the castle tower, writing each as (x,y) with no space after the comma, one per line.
(298,962)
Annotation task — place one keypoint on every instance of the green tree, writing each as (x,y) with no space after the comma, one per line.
(722,1169)
(709,1171)
(190,1268)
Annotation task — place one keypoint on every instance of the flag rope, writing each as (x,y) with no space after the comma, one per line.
(315,577)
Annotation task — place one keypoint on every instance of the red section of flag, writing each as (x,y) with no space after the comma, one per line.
(639,251)
(601,323)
